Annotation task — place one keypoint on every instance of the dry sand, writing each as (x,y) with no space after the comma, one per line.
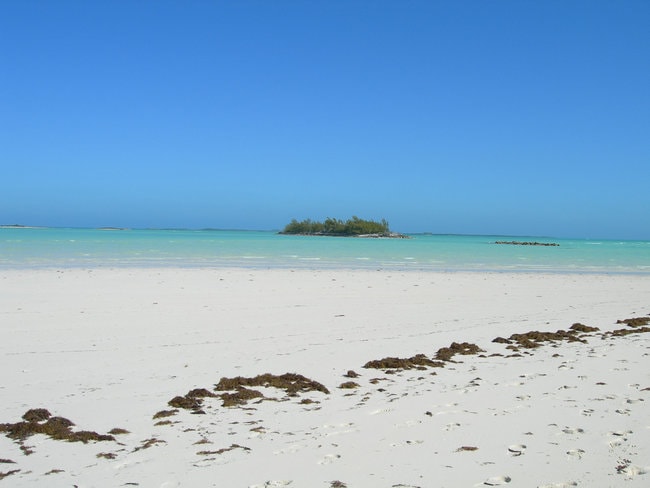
(109,349)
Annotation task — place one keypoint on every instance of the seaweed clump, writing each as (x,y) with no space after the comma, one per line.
(465,348)
(535,339)
(8,473)
(419,361)
(637,326)
(578,327)
(223,450)
(240,397)
(635,322)
(193,400)
(291,383)
(40,421)
(624,332)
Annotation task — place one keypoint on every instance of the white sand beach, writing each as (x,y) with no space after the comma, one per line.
(109,348)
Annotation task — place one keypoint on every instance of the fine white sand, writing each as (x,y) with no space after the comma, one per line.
(110,348)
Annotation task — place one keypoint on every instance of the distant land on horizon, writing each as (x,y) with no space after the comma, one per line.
(276,230)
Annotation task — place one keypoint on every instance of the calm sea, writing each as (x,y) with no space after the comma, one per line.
(65,248)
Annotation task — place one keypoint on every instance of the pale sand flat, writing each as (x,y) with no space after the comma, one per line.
(110,348)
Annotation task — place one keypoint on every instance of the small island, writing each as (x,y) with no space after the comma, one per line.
(354,227)
(520,243)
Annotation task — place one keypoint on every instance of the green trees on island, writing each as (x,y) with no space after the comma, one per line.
(336,227)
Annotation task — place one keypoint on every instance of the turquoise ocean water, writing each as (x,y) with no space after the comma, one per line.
(82,248)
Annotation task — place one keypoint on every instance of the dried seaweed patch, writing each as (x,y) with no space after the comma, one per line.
(240,397)
(36,415)
(165,413)
(635,322)
(291,383)
(106,455)
(40,421)
(419,361)
(193,400)
(8,473)
(534,338)
(465,348)
(146,444)
(223,450)
(467,448)
(583,328)
(624,332)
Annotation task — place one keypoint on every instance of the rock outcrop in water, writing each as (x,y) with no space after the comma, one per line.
(521,243)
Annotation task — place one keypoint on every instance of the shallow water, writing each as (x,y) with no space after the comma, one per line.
(56,247)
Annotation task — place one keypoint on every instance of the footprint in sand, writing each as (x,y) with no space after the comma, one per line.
(329,459)
(269,484)
(632,401)
(587,412)
(575,453)
(290,449)
(381,410)
(497,480)
(517,449)
(618,437)
(633,470)
(573,430)
(452,426)
(406,443)
(620,433)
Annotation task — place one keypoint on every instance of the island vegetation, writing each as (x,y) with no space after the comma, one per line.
(354,227)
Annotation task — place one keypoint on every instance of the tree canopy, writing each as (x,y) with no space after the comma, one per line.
(336,227)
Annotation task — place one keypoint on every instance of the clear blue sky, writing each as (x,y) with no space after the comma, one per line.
(490,116)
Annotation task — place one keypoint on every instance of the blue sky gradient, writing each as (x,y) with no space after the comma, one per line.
(485,117)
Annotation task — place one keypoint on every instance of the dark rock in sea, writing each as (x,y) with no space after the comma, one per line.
(535,243)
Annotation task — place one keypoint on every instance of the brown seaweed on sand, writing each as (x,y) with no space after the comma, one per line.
(223,450)
(419,361)
(635,322)
(291,383)
(165,413)
(465,348)
(534,339)
(583,328)
(193,400)
(467,448)
(8,473)
(624,332)
(40,421)
(240,397)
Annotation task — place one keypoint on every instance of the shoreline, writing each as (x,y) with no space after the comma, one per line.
(145,336)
